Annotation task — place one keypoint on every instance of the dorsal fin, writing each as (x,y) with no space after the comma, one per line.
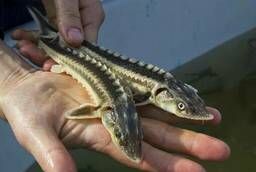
(41,21)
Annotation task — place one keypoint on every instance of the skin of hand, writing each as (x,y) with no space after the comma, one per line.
(76,20)
(35,109)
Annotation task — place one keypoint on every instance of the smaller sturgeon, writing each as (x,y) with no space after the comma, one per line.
(112,104)
(151,84)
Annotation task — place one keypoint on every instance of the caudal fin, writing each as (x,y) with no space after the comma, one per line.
(41,21)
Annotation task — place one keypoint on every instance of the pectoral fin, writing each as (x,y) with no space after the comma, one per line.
(84,111)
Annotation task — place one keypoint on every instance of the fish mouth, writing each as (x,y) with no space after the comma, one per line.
(207,117)
(195,117)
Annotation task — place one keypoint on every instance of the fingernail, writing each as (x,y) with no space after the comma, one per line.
(75,35)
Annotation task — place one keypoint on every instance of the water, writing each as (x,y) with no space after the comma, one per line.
(226,79)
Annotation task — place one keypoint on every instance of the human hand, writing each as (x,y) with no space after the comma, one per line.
(76,20)
(40,126)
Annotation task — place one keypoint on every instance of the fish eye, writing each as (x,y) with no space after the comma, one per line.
(181,106)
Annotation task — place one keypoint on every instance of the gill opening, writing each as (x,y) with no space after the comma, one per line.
(159,90)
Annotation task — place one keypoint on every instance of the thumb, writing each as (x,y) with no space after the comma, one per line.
(69,21)
(47,149)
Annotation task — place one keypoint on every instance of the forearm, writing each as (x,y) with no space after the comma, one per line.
(12,68)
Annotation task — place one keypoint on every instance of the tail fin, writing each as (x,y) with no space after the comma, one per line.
(44,26)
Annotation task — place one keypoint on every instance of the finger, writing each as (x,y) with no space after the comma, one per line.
(48,64)
(153,159)
(163,161)
(217,116)
(184,141)
(32,52)
(150,111)
(22,43)
(21,34)
(92,15)
(50,9)
(156,160)
(69,21)
(47,149)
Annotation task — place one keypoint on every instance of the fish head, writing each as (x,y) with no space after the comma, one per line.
(123,124)
(182,101)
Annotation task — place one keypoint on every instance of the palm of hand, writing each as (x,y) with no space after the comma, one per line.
(35,110)
(41,100)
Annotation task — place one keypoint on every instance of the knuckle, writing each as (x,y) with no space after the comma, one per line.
(165,137)
(69,14)
(98,11)
(194,143)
